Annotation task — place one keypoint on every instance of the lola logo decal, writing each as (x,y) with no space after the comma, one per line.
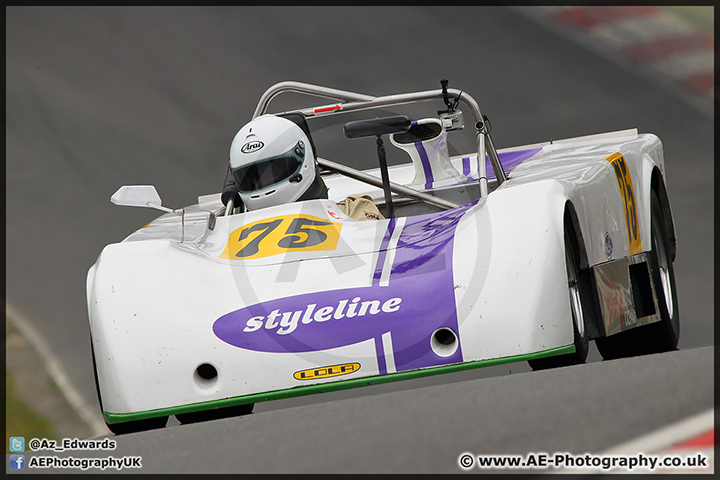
(252,146)
(325,372)
(276,235)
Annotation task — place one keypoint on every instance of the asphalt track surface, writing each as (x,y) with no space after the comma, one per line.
(101,97)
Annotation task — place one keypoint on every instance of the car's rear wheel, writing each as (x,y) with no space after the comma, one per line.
(665,334)
(578,290)
(660,336)
(217,413)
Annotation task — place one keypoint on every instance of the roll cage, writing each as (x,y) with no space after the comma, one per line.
(346,102)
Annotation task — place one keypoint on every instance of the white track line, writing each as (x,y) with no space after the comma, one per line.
(609,37)
(639,30)
(658,442)
(687,64)
(56,371)
(667,436)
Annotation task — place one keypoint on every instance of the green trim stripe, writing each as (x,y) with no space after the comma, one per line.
(112,418)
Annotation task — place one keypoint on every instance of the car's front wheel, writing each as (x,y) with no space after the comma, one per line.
(206,415)
(137,425)
(578,290)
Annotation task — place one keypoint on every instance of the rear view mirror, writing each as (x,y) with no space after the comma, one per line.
(137,196)
(147,196)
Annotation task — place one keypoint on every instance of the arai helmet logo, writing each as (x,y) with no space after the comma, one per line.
(252,146)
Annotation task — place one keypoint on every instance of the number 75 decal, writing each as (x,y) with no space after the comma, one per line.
(628,195)
(276,235)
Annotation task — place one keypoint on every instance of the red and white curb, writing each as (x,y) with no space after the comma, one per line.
(643,37)
(690,438)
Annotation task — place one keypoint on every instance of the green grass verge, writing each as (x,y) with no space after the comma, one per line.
(21,420)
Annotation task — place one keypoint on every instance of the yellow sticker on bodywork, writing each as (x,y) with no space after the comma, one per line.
(628,196)
(324,372)
(276,235)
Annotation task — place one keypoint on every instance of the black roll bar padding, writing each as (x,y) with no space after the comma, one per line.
(377,126)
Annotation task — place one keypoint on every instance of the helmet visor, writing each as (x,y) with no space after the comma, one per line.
(269,171)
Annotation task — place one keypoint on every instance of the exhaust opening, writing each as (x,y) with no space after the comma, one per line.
(444,342)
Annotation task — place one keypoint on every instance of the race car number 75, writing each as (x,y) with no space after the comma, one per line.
(287,233)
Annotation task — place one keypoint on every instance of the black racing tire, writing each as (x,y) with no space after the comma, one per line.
(621,345)
(579,289)
(215,414)
(97,384)
(660,336)
(137,425)
(664,335)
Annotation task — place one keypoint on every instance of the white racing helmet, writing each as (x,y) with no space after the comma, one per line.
(272,162)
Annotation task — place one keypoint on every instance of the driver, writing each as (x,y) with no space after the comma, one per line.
(272,162)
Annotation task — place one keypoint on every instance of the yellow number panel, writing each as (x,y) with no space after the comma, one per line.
(276,235)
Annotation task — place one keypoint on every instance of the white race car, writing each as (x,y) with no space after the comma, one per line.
(525,255)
